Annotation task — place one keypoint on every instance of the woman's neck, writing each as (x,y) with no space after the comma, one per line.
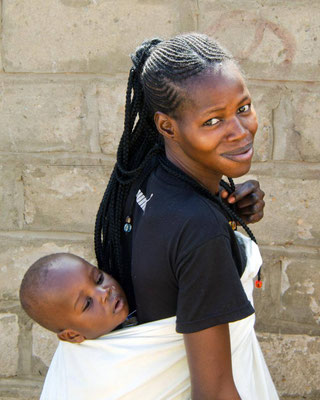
(206,178)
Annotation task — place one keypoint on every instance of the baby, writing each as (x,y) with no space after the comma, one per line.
(67,295)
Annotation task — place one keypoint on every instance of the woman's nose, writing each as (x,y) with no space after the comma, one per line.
(236,129)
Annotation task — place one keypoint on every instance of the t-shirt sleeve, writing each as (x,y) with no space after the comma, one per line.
(210,291)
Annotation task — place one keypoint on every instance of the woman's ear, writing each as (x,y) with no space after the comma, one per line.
(69,335)
(165,125)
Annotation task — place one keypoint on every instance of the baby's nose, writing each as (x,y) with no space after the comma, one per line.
(104,292)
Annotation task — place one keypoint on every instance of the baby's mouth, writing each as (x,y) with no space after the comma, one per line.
(118,305)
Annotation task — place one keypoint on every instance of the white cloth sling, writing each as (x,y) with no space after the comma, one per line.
(149,361)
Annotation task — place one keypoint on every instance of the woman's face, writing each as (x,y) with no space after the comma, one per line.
(215,129)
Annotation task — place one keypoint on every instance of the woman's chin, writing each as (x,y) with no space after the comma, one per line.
(239,171)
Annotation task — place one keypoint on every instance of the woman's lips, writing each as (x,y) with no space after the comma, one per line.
(241,154)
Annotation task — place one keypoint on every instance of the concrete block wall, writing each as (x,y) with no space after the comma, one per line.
(63,72)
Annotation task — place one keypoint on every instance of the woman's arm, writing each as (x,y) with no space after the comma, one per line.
(209,359)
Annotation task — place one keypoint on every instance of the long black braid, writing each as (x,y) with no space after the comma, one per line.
(156,83)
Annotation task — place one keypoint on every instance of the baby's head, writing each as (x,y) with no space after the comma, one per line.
(69,296)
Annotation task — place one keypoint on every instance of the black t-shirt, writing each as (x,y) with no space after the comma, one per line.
(185,257)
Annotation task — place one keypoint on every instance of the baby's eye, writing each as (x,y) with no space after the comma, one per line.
(87,304)
(211,122)
(244,108)
(100,278)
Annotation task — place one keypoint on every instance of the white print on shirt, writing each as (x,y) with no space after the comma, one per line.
(142,200)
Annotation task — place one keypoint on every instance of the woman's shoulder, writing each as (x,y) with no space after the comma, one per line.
(176,200)
(180,216)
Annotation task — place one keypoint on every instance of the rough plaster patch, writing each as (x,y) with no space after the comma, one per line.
(29,212)
(315,308)
(42,116)
(304,230)
(293,361)
(65,199)
(280,223)
(65,186)
(285,284)
(296,286)
(18,258)
(81,35)
(77,3)
(44,344)
(309,285)
(9,331)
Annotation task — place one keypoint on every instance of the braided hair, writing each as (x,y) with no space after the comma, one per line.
(156,83)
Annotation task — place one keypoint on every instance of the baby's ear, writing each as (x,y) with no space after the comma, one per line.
(69,335)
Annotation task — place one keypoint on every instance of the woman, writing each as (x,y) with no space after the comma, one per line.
(163,229)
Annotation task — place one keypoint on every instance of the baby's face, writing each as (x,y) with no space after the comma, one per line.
(86,299)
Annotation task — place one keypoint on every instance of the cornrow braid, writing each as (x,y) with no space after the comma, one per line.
(156,82)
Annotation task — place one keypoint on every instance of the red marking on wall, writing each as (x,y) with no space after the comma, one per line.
(260,25)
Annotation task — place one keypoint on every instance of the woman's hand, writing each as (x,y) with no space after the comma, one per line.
(248,199)
(209,359)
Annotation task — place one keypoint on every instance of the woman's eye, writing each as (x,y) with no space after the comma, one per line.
(100,278)
(244,108)
(87,304)
(211,122)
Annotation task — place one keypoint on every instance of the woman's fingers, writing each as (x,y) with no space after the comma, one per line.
(248,198)
(250,217)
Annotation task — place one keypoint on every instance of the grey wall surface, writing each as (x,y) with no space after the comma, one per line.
(63,72)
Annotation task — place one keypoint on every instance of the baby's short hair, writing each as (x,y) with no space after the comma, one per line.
(34,287)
